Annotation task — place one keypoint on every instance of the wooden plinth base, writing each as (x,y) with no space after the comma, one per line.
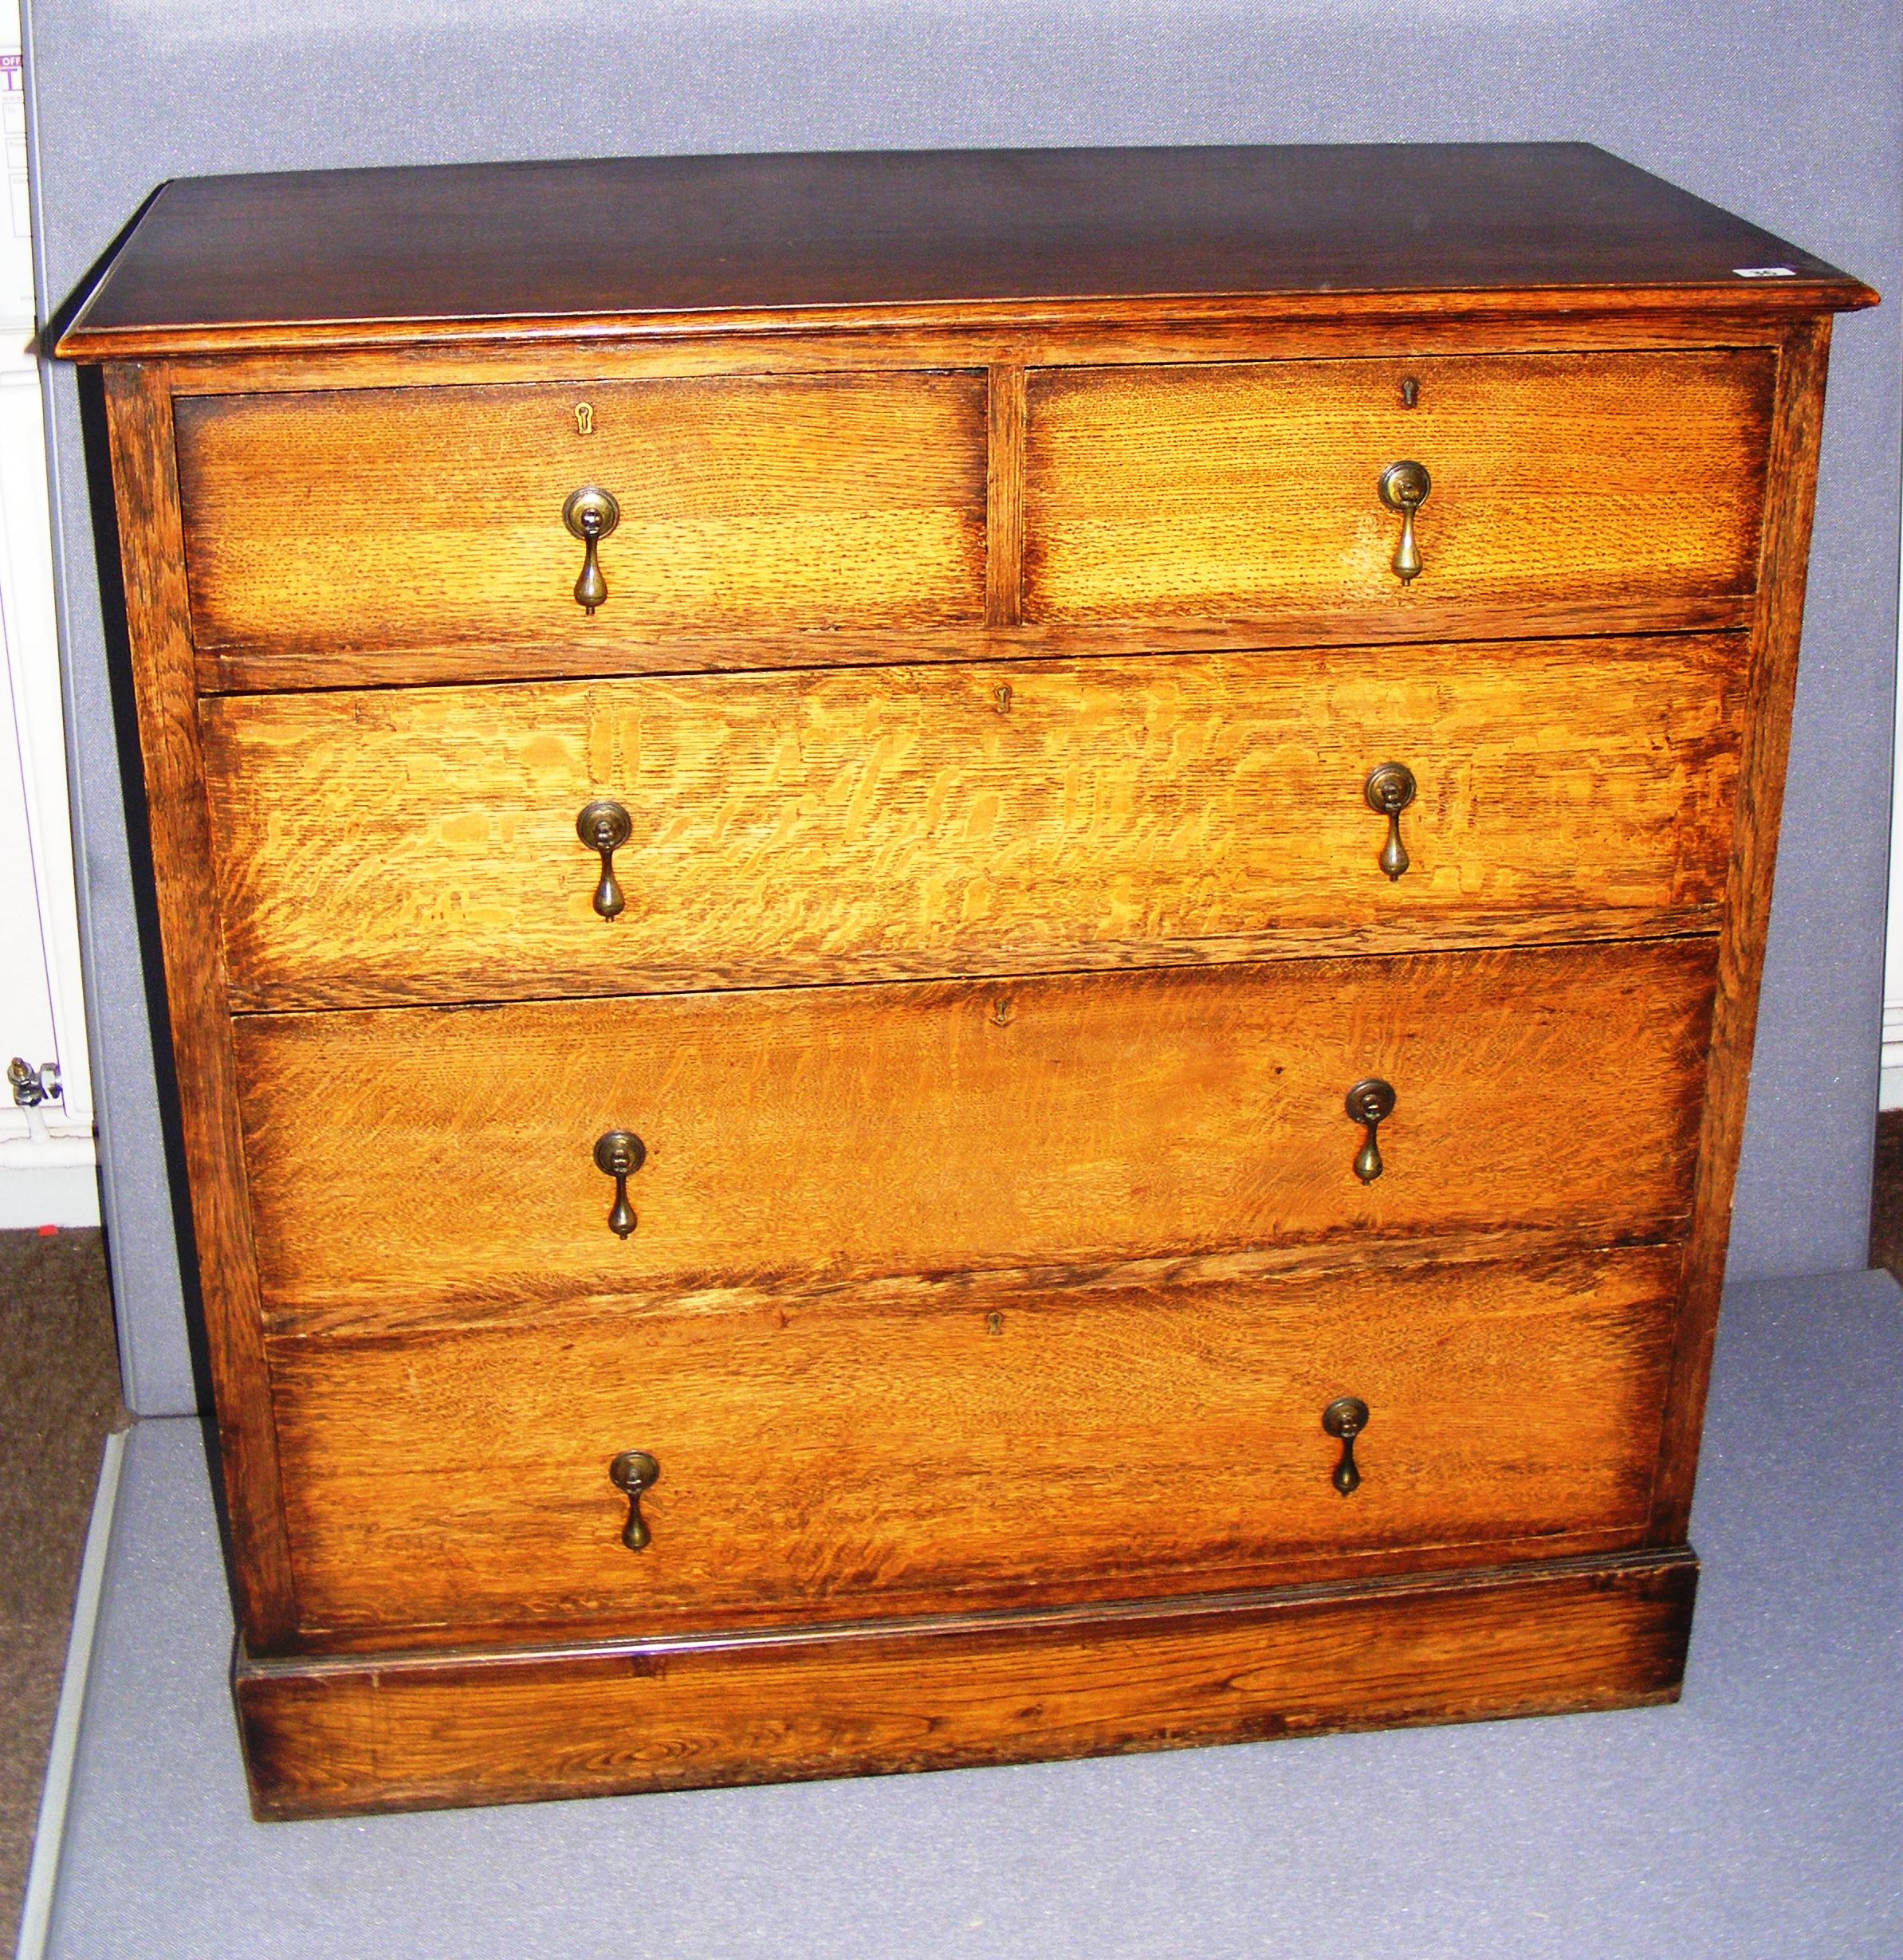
(419,1730)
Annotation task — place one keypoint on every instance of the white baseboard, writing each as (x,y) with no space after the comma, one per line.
(1890,1095)
(37,1911)
(32,1195)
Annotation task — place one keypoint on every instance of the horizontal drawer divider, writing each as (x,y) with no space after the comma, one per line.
(1245,954)
(324,667)
(975,1288)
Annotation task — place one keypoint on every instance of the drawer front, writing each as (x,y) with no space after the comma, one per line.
(857,824)
(817,1460)
(398,516)
(411,1162)
(1254,490)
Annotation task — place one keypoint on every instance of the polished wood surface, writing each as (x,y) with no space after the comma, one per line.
(1224,489)
(390,1733)
(420,843)
(569,643)
(151,558)
(573,652)
(1001,627)
(822,1461)
(1798,432)
(1133,334)
(382,517)
(799,1137)
(471,251)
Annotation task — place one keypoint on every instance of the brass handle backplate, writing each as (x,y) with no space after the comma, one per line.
(618,1154)
(591,514)
(1388,790)
(604,827)
(632,1472)
(1345,1418)
(1403,487)
(1370,1103)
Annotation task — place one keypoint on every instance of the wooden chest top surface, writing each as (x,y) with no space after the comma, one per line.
(397,256)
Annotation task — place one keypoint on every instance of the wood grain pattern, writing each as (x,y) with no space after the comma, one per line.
(151,556)
(820,1460)
(326,1738)
(570,652)
(980,999)
(1128,335)
(420,843)
(355,518)
(534,252)
(1798,431)
(1004,494)
(1772,303)
(1220,490)
(801,1137)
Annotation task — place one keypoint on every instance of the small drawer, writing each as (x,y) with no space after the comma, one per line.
(411,1165)
(816,1461)
(394,517)
(1270,490)
(863,824)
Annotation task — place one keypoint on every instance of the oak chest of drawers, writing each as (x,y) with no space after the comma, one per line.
(962,947)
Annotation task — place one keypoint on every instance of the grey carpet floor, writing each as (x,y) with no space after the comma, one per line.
(59,1398)
(1762,1817)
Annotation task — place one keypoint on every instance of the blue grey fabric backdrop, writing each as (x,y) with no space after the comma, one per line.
(1792,115)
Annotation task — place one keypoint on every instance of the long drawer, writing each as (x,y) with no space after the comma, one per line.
(406,1163)
(1255,489)
(387,517)
(852,824)
(817,1460)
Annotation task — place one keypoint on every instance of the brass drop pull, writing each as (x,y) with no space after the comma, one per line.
(604,827)
(1389,791)
(1403,487)
(619,1155)
(1345,1418)
(591,515)
(633,1471)
(1371,1103)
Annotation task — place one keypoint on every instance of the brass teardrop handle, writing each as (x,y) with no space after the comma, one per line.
(1370,1103)
(591,515)
(1388,790)
(633,1471)
(1345,1418)
(619,1155)
(604,827)
(1403,487)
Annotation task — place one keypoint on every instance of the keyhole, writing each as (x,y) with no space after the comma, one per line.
(1410,392)
(584,419)
(994,1323)
(1001,695)
(1002,1014)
